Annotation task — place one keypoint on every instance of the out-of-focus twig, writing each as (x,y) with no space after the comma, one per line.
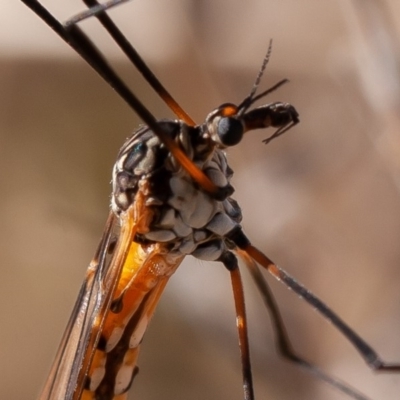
(376,59)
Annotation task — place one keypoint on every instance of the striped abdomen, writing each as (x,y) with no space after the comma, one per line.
(144,276)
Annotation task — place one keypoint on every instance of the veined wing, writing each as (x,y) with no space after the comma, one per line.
(115,303)
(93,300)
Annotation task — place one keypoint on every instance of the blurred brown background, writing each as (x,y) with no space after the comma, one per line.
(322,201)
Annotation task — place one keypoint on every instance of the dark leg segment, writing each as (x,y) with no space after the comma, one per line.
(367,352)
(284,345)
(138,62)
(231,263)
(76,38)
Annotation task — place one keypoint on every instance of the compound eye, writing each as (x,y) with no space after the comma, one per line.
(230,131)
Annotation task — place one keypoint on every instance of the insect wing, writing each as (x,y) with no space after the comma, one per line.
(73,358)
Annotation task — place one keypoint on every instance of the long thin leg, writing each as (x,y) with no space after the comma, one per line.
(138,62)
(231,263)
(367,352)
(76,38)
(284,345)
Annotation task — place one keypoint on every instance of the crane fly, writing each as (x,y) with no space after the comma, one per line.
(171,197)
